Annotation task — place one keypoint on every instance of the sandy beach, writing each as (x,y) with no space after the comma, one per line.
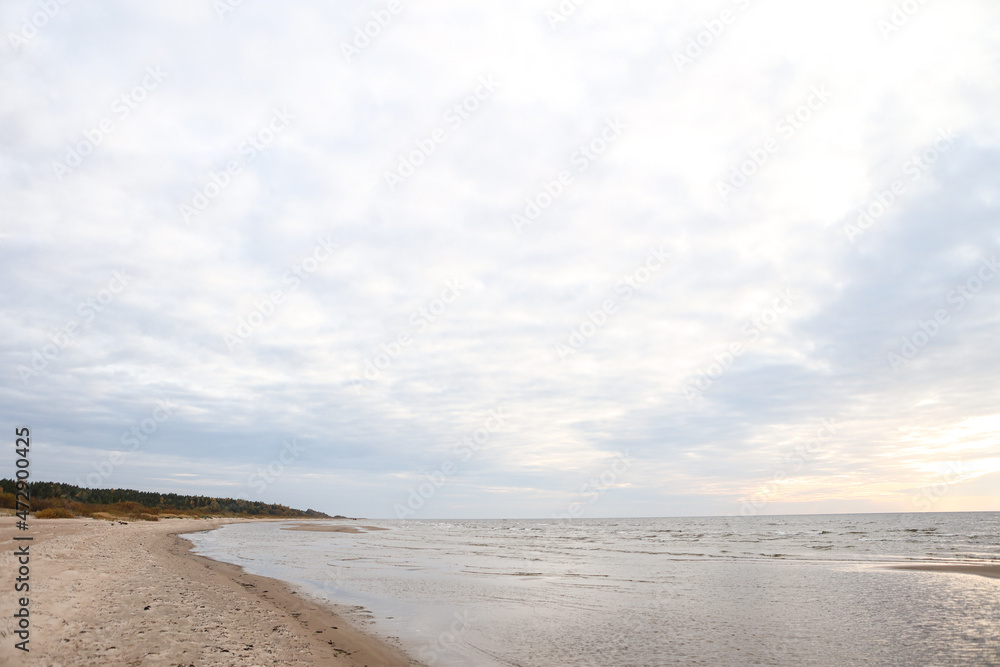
(991,571)
(105,593)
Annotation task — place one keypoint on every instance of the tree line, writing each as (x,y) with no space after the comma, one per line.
(84,501)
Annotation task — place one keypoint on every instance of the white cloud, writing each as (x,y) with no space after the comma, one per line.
(656,184)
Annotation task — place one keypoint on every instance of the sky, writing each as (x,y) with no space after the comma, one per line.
(506,259)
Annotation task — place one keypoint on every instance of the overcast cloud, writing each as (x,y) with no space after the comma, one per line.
(506,259)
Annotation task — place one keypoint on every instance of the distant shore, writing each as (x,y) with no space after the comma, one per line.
(107,593)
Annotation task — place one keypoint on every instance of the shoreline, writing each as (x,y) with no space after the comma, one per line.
(344,639)
(103,593)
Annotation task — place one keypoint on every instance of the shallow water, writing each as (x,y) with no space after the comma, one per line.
(791,590)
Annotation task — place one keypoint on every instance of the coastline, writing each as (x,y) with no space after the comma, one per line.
(104,593)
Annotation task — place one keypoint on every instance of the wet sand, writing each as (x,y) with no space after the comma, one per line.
(991,571)
(314,528)
(104,593)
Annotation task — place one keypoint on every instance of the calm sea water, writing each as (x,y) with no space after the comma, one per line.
(786,590)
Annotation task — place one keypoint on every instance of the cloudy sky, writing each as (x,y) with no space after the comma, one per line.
(506,259)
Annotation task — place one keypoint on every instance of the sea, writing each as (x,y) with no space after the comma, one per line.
(756,590)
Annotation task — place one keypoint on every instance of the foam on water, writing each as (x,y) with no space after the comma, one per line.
(796,590)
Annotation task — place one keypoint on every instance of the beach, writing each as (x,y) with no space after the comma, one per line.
(817,590)
(107,593)
(492,593)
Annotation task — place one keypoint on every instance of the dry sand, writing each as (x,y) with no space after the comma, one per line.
(991,571)
(104,593)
